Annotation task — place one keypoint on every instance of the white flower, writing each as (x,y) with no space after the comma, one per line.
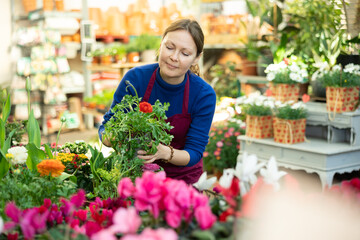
(203,183)
(245,171)
(271,174)
(226,178)
(20,155)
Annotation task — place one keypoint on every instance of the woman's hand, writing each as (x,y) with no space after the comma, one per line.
(163,152)
(179,158)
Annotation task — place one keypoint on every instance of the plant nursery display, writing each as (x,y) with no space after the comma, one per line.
(290,122)
(342,86)
(285,78)
(259,111)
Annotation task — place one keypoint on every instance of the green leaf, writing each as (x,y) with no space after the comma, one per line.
(4,165)
(203,235)
(65,176)
(6,109)
(33,129)
(48,151)
(35,156)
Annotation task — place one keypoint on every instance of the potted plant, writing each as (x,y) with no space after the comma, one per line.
(258,110)
(285,78)
(147,45)
(342,86)
(289,122)
(119,53)
(137,125)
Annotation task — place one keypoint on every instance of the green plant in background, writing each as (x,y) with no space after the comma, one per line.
(256,104)
(19,127)
(349,76)
(310,19)
(147,42)
(291,111)
(224,80)
(223,147)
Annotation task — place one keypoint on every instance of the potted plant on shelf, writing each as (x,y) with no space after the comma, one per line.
(258,110)
(285,78)
(147,45)
(342,86)
(289,122)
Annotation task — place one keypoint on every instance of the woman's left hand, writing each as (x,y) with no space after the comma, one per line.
(161,153)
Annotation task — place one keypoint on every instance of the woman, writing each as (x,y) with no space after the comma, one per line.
(192,100)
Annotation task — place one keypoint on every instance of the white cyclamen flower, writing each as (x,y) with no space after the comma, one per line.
(271,174)
(20,155)
(204,183)
(226,178)
(245,171)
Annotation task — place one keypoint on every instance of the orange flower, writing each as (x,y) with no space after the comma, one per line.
(145,107)
(50,166)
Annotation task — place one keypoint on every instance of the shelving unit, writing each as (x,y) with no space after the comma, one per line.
(335,151)
(39,19)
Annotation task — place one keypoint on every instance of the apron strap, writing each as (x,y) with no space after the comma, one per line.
(186,91)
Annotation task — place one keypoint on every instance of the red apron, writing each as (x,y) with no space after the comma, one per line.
(181,123)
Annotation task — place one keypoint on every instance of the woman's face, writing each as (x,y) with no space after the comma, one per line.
(177,54)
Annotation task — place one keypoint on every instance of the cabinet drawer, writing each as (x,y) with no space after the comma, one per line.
(341,120)
(304,159)
(263,151)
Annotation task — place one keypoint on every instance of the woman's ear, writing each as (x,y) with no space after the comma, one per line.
(196,60)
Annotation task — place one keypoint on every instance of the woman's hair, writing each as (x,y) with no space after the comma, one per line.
(196,33)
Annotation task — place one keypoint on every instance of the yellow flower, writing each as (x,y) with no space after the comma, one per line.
(9,156)
(50,166)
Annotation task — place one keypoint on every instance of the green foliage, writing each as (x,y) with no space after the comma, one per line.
(19,128)
(224,80)
(223,147)
(27,189)
(147,42)
(338,77)
(310,19)
(291,112)
(5,140)
(77,147)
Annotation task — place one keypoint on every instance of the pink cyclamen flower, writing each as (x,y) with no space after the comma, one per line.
(125,221)
(125,188)
(78,199)
(13,212)
(204,217)
(149,191)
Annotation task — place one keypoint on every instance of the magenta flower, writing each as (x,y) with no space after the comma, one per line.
(13,212)
(125,188)
(149,191)
(173,218)
(204,217)
(151,167)
(78,199)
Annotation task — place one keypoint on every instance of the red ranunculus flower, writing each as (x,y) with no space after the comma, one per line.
(145,107)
